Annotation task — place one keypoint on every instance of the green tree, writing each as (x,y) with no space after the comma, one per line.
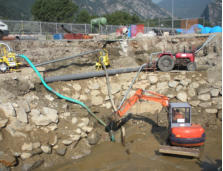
(122,18)
(83,17)
(54,10)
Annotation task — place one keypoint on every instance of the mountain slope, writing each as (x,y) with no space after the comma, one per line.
(16,9)
(213,12)
(185,8)
(21,9)
(143,8)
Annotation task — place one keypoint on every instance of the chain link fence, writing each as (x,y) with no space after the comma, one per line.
(35,27)
(49,28)
(185,23)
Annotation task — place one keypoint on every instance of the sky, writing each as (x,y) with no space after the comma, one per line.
(156,1)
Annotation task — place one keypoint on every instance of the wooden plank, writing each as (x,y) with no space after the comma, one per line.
(192,152)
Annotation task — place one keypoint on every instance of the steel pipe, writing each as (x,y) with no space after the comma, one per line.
(66,58)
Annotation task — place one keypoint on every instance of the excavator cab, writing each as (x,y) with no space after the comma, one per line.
(182,132)
(180,114)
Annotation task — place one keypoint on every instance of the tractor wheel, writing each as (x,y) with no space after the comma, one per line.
(192,66)
(3,67)
(166,63)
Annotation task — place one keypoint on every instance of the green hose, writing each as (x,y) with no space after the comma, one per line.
(58,94)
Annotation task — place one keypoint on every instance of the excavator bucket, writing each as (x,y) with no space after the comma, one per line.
(182,151)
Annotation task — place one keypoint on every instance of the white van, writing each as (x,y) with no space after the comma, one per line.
(3,29)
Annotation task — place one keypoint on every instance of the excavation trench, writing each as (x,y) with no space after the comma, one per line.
(144,131)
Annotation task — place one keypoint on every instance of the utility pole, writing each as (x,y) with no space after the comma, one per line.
(172,14)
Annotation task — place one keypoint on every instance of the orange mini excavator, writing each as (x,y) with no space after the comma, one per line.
(182,132)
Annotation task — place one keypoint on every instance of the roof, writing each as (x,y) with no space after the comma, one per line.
(179,105)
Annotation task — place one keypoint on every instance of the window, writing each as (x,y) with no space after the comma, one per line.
(181,115)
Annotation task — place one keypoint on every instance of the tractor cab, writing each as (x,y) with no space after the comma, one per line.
(179,115)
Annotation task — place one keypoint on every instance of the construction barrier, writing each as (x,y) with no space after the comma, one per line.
(77,36)
(57,36)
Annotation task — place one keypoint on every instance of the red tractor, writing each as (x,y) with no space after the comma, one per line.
(167,61)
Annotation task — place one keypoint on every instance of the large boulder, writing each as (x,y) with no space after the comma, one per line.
(203,91)
(179,87)
(7,109)
(185,82)
(141,85)
(76,87)
(204,97)
(25,155)
(27,147)
(95,92)
(81,150)
(182,96)
(194,85)
(164,77)
(97,100)
(93,138)
(67,142)
(211,111)
(83,122)
(31,164)
(173,84)
(44,118)
(46,149)
(25,105)
(14,127)
(192,92)
(93,86)
(61,150)
(152,79)
(194,103)
(205,104)
(218,102)
(162,85)
(214,92)
(21,115)
(83,97)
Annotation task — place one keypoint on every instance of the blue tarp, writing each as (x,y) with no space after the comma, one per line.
(206,30)
(129,32)
(179,30)
(196,28)
(216,29)
(57,36)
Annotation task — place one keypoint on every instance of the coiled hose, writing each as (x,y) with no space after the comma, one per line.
(58,94)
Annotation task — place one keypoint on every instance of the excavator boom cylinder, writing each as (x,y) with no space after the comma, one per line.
(139,96)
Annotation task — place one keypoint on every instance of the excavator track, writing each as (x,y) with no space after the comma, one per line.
(182,151)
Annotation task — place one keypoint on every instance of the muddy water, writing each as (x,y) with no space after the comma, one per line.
(140,153)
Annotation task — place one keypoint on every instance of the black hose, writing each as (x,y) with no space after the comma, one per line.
(89,74)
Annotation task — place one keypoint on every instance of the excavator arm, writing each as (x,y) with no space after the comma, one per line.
(140,96)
